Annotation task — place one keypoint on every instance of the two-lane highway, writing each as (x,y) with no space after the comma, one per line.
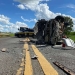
(23,57)
(45,65)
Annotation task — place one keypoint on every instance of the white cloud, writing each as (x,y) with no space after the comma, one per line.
(4,19)
(29,1)
(42,10)
(20,24)
(1,28)
(71,6)
(30,4)
(26,20)
(14,27)
(21,6)
(7,26)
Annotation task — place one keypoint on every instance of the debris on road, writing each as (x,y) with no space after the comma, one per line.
(4,50)
(67,42)
(34,57)
(65,69)
(21,41)
(50,58)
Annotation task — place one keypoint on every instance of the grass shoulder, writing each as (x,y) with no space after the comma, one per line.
(71,35)
(6,35)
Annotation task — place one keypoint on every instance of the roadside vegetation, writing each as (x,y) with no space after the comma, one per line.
(71,35)
(5,34)
(69,28)
(11,34)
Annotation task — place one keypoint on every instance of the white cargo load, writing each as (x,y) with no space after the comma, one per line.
(68,42)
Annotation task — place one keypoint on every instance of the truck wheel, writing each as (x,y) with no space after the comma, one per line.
(19,36)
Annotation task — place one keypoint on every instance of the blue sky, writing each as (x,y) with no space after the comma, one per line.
(16,13)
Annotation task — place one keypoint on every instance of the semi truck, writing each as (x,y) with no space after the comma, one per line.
(24,32)
(50,31)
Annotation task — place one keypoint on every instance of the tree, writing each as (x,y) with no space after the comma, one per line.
(68,29)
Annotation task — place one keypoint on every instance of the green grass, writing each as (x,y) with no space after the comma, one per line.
(11,34)
(72,35)
(6,35)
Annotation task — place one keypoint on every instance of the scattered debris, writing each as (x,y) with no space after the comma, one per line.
(65,69)
(27,49)
(21,40)
(50,58)
(21,53)
(4,50)
(67,48)
(67,42)
(34,57)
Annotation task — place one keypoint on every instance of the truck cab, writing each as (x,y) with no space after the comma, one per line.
(25,32)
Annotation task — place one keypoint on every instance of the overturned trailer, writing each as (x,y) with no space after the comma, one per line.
(50,31)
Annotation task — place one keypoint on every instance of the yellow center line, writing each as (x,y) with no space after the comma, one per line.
(20,69)
(22,64)
(46,66)
(28,67)
(27,40)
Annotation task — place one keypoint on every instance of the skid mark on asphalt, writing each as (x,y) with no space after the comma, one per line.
(28,66)
(46,66)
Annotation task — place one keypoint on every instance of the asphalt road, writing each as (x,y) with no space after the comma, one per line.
(11,58)
(65,57)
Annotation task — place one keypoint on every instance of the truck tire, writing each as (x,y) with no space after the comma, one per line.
(19,36)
